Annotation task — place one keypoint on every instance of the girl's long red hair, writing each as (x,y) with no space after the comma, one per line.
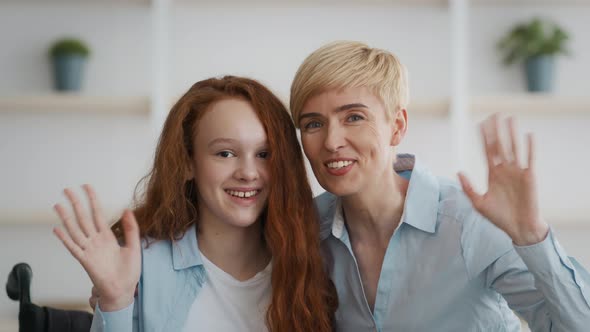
(303,297)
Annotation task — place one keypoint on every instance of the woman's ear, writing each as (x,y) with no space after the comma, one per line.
(399,125)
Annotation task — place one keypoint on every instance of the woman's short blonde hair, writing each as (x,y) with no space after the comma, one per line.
(349,64)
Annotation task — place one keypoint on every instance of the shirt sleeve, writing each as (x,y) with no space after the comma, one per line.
(545,286)
(120,320)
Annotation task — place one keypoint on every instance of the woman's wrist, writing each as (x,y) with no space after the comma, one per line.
(532,236)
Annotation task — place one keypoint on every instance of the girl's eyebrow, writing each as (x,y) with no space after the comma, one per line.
(221,140)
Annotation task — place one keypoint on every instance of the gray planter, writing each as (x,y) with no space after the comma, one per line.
(68,72)
(540,72)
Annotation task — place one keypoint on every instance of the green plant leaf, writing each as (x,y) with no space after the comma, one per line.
(69,46)
(533,38)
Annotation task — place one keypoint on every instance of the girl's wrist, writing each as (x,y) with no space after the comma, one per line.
(115,304)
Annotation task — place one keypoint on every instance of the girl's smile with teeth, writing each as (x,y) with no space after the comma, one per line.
(242,194)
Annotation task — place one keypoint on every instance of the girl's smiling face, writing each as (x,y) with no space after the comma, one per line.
(230,164)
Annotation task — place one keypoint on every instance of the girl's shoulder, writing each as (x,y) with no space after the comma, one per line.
(156,254)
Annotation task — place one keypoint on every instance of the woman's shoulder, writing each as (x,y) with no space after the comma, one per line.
(325,205)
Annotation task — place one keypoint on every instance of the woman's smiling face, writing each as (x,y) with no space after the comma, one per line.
(348,139)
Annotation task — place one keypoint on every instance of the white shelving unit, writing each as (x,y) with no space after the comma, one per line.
(64,103)
(531,104)
(457,108)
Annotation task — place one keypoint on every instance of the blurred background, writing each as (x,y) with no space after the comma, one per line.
(136,57)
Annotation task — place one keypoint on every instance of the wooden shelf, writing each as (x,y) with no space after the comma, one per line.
(83,2)
(530,2)
(429,106)
(74,103)
(541,104)
(413,3)
(46,216)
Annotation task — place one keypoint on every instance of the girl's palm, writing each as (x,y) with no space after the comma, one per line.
(113,269)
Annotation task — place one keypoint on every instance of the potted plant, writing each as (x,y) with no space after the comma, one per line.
(68,58)
(535,43)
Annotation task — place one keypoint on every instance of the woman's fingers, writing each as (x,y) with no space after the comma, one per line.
(499,150)
(72,228)
(87,227)
(96,209)
(513,140)
(495,141)
(473,196)
(487,147)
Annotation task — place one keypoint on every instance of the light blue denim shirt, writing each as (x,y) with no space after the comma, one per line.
(171,277)
(446,268)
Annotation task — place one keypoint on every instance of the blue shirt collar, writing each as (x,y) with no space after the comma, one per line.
(185,251)
(422,198)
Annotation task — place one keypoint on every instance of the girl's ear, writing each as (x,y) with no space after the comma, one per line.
(399,125)
(189,170)
(189,174)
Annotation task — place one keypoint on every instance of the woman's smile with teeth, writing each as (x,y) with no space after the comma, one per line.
(339,164)
(242,194)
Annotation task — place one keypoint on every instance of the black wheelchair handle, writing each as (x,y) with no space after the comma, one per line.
(18,285)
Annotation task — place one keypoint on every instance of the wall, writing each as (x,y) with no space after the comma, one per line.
(41,154)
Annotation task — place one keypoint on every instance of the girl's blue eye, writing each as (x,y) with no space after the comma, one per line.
(355,117)
(225,154)
(312,125)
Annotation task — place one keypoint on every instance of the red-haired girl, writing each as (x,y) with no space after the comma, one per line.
(225,235)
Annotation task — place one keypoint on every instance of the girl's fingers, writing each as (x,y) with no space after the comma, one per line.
(131,230)
(94,297)
(96,209)
(72,247)
(87,227)
(73,230)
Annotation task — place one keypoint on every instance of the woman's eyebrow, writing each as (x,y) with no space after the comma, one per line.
(338,109)
(349,106)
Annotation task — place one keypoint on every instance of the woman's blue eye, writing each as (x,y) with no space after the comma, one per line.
(225,154)
(312,125)
(355,117)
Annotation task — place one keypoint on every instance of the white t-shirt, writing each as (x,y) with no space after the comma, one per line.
(225,304)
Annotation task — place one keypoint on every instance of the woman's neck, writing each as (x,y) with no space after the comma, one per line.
(374,214)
